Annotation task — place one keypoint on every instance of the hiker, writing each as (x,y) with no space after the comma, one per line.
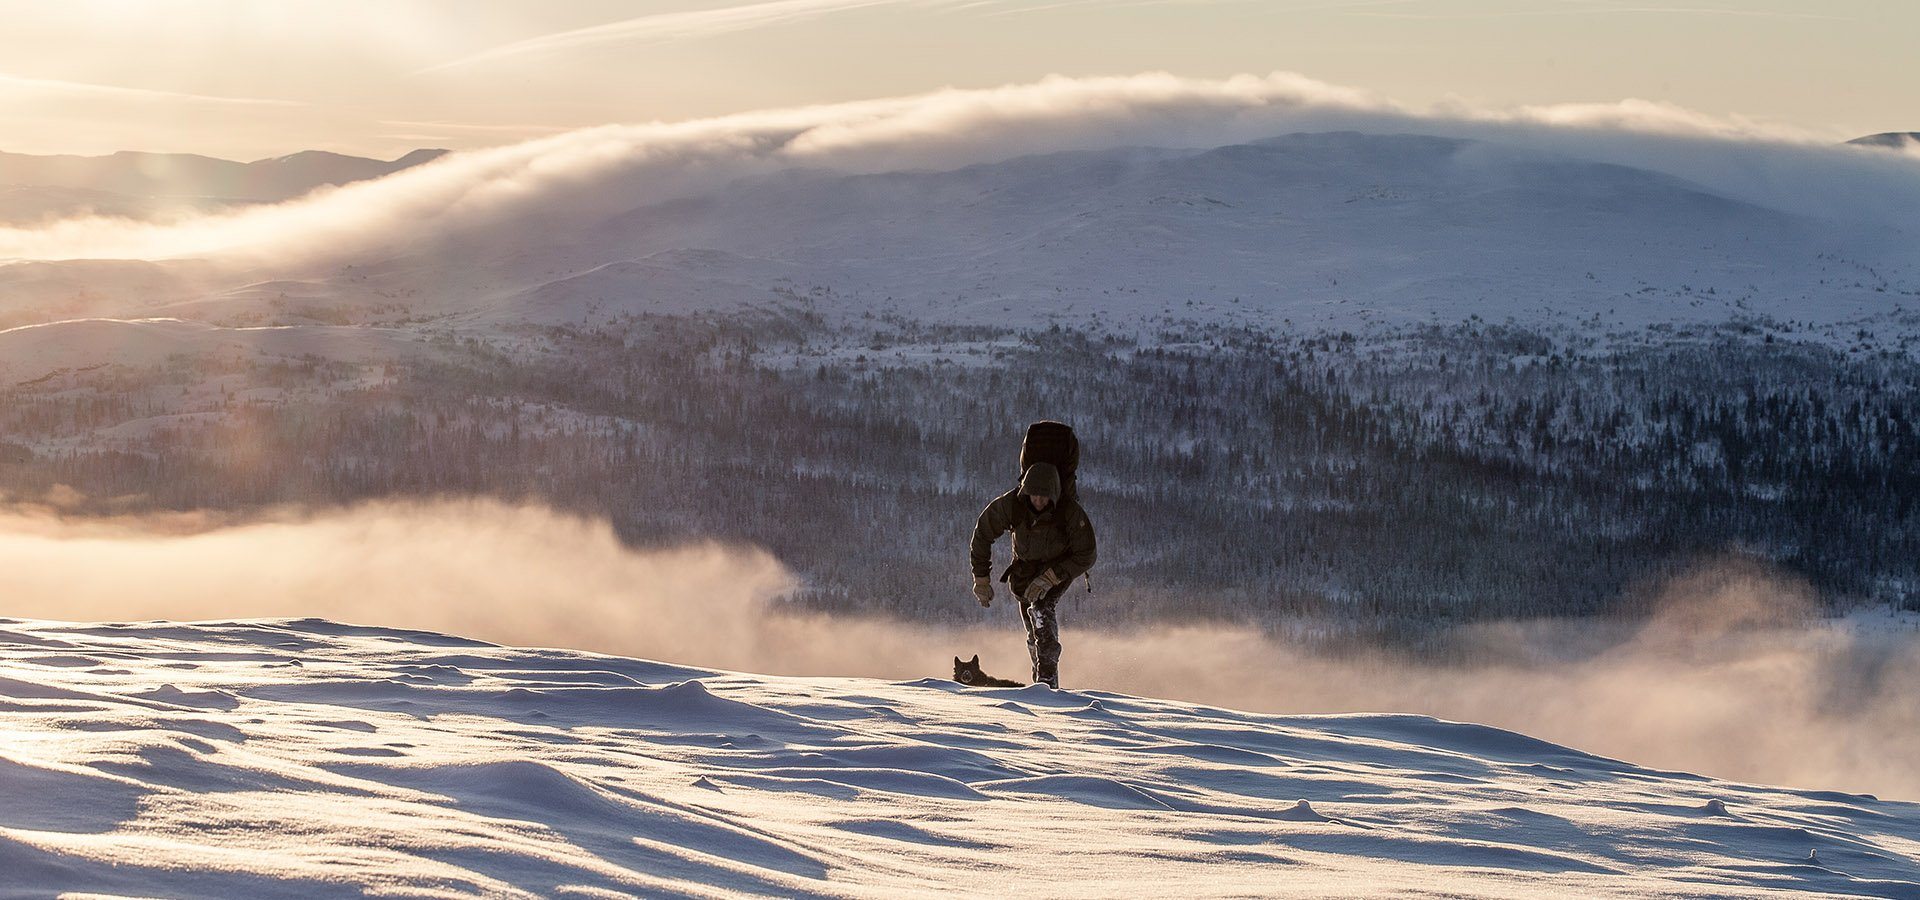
(1052,545)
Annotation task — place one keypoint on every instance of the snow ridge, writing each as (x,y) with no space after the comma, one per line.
(306,758)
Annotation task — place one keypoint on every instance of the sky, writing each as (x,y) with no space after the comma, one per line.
(247,79)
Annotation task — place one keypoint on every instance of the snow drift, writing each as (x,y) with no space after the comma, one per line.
(305,758)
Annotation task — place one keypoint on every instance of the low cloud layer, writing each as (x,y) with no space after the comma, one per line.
(576,176)
(1731,677)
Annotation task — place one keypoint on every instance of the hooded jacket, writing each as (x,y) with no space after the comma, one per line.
(1061,536)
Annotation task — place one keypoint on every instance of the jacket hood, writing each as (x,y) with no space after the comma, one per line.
(1041,480)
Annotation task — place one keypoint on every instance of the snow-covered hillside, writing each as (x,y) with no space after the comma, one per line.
(1301,232)
(1295,233)
(303,758)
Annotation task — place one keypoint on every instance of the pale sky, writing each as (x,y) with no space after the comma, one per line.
(251,78)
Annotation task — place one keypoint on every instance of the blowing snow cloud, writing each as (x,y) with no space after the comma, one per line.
(577,176)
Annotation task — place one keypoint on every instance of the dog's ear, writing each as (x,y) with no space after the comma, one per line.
(956,661)
(976,659)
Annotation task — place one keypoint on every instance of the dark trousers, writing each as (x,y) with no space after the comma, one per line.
(1042,618)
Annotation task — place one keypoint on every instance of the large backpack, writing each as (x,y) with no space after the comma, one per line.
(1053,442)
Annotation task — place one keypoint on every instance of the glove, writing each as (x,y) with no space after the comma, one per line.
(983,590)
(1039,586)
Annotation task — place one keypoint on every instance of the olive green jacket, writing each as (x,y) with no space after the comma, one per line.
(1061,536)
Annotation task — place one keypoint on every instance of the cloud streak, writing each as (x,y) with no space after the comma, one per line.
(1611,11)
(663,27)
(70,88)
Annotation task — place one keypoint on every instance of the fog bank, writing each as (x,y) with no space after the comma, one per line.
(1730,677)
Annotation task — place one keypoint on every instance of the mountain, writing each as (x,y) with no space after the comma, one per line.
(309,758)
(1314,232)
(190,175)
(1308,231)
(142,185)
(1895,140)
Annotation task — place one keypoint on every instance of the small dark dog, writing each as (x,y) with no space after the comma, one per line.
(969,673)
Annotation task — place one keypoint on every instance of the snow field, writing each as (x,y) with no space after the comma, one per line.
(304,758)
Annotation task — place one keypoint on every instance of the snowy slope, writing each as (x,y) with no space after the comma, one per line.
(1299,232)
(301,758)
(1337,231)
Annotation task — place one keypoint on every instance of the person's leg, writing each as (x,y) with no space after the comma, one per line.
(1042,621)
(1047,636)
(1033,636)
(1019,576)
(1043,640)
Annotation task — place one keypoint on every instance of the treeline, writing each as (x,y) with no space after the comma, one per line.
(1464,473)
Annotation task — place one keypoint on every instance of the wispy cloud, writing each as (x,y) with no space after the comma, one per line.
(1044,7)
(660,27)
(57,86)
(1606,10)
(482,128)
(430,132)
(693,24)
(1017,8)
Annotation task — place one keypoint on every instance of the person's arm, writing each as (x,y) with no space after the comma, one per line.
(994,522)
(1081,550)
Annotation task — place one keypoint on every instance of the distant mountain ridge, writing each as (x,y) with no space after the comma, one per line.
(1326,231)
(1894,140)
(1332,230)
(186,175)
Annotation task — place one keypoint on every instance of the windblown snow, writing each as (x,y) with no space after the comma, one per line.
(302,758)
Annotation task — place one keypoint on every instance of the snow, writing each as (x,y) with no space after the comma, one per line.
(303,758)
(1317,231)
(1311,232)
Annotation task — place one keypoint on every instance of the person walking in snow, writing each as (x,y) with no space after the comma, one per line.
(1052,545)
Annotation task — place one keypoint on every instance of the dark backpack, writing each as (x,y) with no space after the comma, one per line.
(1053,442)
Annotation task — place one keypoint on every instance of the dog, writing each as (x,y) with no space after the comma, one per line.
(969,673)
